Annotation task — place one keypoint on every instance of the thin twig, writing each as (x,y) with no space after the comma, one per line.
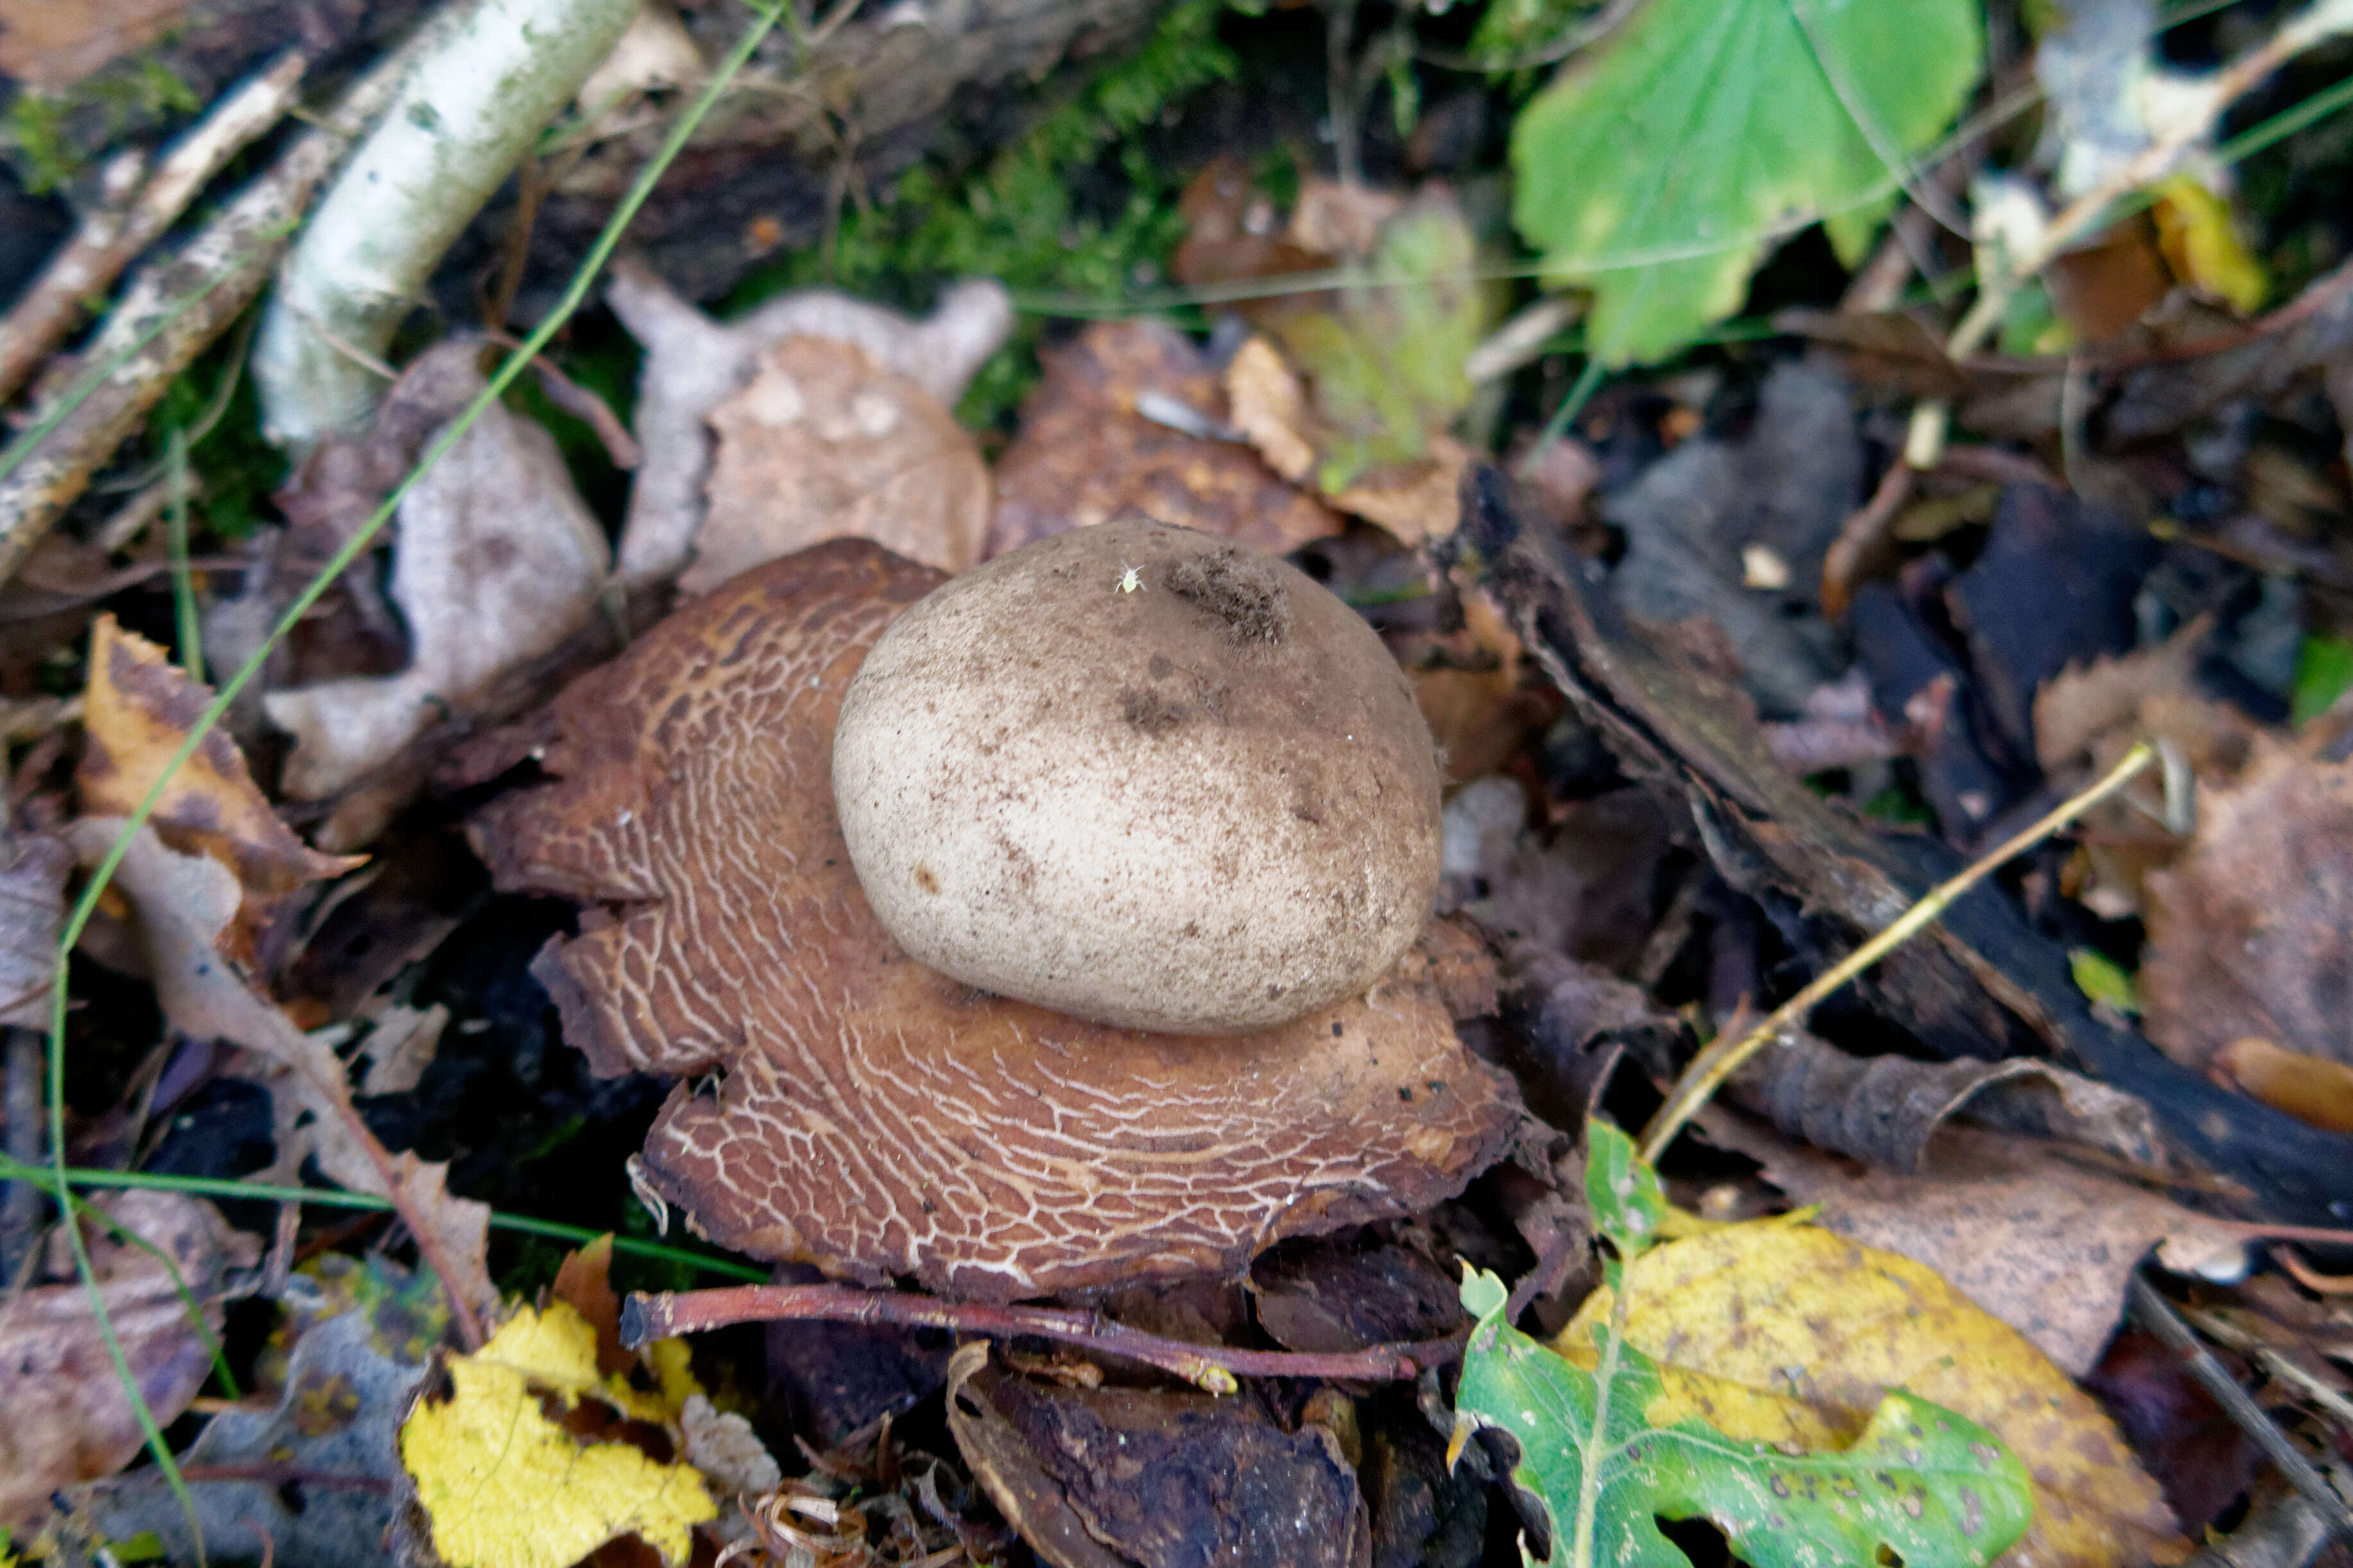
(171,313)
(1708,1071)
(647,1318)
(113,238)
(2155,1315)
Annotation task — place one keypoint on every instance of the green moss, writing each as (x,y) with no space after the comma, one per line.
(52,137)
(235,469)
(1015,218)
(35,132)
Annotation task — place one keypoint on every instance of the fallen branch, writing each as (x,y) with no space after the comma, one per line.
(1713,1066)
(646,1318)
(465,117)
(114,237)
(169,315)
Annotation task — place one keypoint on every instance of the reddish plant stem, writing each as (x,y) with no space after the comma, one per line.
(646,1318)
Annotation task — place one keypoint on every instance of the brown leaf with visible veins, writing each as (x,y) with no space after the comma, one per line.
(1088,450)
(2251,933)
(825,443)
(849,1108)
(68,1417)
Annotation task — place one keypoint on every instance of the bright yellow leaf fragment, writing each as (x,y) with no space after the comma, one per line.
(1795,1313)
(2202,243)
(507,1488)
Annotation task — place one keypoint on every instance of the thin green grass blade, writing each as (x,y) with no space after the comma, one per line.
(81,1178)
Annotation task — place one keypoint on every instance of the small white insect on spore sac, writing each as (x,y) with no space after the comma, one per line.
(1130,580)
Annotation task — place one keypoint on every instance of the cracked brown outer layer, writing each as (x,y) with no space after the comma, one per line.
(848,1106)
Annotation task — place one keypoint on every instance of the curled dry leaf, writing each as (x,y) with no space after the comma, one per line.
(68,1417)
(137,710)
(1271,406)
(2042,1244)
(186,905)
(498,562)
(1792,1308)
(694,364)
(2251,933)
(1885,1110)
(851,1109)
(825,443)
(1106,1478)
(1102,434)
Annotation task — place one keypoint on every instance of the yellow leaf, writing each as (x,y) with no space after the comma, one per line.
(2202,244)
(1797,1312)
(507,1488)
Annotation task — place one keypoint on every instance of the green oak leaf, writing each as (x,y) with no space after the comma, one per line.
(1658,167)
(1930,1487)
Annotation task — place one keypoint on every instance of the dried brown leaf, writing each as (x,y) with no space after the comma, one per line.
(2251,933)
(498,562)
(1087,451)
(68,1418)
(2306,1088)
(825,443)
(48,46)
(2087,717)
(694,364)
(1886,1109)
(1412,500)
(138,711)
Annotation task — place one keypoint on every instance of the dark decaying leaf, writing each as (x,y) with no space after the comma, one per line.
(1978,974)
(1337,1295)
(314,1481)
(32,909)
(1124,1478)
(2053,587)
(1783,487)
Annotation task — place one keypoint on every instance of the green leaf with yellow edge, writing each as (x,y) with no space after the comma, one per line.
(1660,165)
(1919,1482)
(505,1486)
(1802,1311)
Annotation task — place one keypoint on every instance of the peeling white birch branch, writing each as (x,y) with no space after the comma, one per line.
(464,119)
